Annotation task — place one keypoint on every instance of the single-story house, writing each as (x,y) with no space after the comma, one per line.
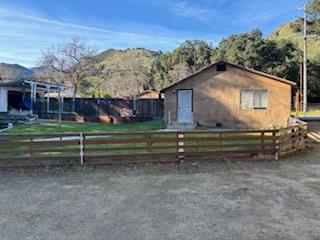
(228,95)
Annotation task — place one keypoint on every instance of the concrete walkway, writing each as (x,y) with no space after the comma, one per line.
(309,118)
(314,130)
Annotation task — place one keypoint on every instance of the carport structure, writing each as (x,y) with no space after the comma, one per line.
(13,92)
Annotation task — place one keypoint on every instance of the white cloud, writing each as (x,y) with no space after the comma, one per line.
(23,36)
(185,9)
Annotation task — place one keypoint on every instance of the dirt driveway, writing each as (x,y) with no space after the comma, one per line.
(212,200)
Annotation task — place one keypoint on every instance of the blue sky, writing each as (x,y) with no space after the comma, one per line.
(27,27)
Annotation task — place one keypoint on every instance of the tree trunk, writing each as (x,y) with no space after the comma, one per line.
(74,94)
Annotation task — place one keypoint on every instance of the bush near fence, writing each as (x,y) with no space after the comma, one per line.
(142,147)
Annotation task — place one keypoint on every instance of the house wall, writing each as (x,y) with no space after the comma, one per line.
(216,99)
(3,99)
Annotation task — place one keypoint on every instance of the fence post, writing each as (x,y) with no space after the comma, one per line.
(305,137)
(81,150)
(31,148)
(180,146)
(262,142)
(276,144)
(220,144)
(293,137)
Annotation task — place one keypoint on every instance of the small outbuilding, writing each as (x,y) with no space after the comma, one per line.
(148,94)
(227,95)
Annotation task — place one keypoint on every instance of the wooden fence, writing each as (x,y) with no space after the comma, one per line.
(142,147)
(292,139)
(97,108)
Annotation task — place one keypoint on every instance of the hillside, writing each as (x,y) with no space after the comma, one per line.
(293,31)
(14,72)
(116,73)
(119,73)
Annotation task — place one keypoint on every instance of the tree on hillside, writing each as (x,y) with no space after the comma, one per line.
(189,57)
(314,8)
(93,86)
(314,83)
(250,50)
(196,54)
(51,75)
(243,49)
(253,51)
(70,61)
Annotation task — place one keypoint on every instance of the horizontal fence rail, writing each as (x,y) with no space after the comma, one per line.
(39,149)
(174,146)
(142,147)
(293,139)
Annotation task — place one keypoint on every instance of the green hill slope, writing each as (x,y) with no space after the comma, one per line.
(119,73)
(293,31)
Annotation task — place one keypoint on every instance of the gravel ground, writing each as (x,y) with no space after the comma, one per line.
(208,200)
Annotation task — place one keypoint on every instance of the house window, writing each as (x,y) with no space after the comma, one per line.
(254,99)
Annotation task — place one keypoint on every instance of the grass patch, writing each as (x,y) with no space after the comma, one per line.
(307,114)
(85,127)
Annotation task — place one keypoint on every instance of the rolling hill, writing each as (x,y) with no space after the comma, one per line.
(119,73)
(293,31)
(115,73)
(14,72)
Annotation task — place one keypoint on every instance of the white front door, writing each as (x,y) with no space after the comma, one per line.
(185,106)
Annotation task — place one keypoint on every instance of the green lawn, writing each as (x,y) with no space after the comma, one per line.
(308,113)
(85,127)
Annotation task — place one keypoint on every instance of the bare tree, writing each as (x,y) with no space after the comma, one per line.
(71,61)
(50,75)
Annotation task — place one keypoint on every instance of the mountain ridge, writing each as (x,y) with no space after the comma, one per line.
(126,72)
(14,71)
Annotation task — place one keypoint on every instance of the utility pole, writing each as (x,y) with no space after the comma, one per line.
(305,61)
(305,58)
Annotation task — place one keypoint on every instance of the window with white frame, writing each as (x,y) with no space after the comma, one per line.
(253,99)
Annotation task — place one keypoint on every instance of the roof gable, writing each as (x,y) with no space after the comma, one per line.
(270,76)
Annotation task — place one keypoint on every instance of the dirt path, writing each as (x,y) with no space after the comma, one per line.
(212,200)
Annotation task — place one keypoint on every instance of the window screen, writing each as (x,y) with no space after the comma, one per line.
(260,99)
(254,99)
(246,99)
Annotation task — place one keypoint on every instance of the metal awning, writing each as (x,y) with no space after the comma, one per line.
(35,86)
(26,84)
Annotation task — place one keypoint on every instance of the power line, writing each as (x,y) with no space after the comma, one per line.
(305,57)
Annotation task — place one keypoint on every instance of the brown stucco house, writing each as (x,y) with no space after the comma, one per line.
(228,95)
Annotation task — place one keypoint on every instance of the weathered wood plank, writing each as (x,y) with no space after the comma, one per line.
(40,143)
(110,149)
